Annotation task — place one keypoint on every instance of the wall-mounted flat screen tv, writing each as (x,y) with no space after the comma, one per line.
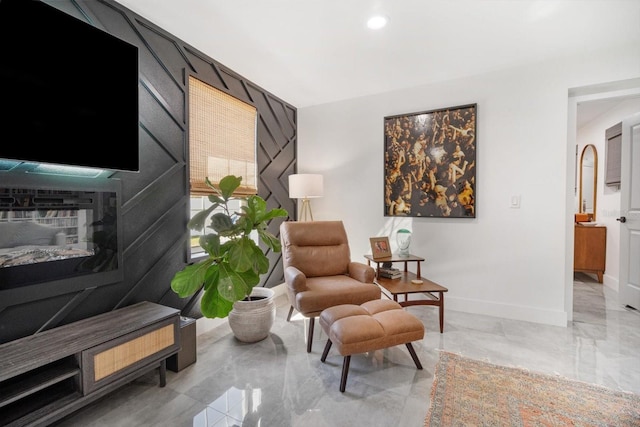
(69,90)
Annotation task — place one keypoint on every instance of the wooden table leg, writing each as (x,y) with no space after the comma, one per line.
(441,308)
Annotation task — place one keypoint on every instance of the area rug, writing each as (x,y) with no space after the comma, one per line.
(469,392)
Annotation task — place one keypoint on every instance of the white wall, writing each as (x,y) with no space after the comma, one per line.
(608,198)
(506,262)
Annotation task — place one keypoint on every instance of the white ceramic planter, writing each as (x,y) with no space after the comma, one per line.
(251,321)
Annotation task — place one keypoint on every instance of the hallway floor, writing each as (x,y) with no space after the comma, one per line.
(275,382)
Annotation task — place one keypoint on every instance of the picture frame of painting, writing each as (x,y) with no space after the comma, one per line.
(380,247)
(430,163)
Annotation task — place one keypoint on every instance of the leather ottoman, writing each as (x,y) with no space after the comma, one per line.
(374,325)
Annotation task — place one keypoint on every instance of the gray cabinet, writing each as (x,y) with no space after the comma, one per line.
(46,376)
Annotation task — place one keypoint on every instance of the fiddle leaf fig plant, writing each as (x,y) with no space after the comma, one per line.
(234,261)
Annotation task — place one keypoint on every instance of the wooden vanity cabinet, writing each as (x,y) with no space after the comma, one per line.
(590,249)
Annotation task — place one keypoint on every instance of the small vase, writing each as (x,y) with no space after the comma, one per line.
(251,320)
(403,238)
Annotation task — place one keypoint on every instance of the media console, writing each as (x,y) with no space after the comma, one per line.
(46,376)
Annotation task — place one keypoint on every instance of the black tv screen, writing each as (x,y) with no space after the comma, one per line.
(69,90)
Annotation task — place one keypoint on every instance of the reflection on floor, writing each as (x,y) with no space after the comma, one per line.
(277,383)
(234,407)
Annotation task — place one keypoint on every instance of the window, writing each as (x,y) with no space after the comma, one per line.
(613,155)
(222,138)
(200,203)
(222,141)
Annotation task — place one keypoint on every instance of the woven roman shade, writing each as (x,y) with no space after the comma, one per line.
(222,139)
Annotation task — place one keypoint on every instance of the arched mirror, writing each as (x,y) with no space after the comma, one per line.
(588,181)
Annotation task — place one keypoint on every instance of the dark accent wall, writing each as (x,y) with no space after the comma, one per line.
(155,201)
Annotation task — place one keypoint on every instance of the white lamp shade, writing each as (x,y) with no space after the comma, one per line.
(306,186)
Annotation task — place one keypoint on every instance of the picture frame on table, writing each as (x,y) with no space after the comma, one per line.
(380,247)
(430,163)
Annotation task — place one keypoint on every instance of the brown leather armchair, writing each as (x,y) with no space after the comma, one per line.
(318,270)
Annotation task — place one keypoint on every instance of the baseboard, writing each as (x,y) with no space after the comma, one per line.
(611,283)
(487,308)
(506,311)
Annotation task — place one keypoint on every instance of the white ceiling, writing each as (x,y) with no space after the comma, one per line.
(310,52)
(591,110)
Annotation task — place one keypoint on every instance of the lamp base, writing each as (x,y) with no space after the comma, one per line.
(305,210)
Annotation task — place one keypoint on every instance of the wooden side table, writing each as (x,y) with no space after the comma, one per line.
(404,286)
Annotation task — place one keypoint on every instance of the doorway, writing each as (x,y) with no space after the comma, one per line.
(599,105)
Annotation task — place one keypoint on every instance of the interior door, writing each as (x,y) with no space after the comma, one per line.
(630,213)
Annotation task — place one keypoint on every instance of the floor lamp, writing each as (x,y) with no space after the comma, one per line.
(305,186)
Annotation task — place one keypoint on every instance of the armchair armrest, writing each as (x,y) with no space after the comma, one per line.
(362,272)
(295,279)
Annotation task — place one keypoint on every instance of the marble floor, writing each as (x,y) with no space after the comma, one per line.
(275,382)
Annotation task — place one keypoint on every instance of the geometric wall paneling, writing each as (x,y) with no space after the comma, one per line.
(286,163)
(155,200)
(156,121)
(68,308)
(278,129)
(235,84)
(155,161)
(174,260)
(203,68)
(268,153)
(268,142)
(260,101)
(162,54)
(278,189)
(14,320)
(149,250)
(291,114)
(107,17)
(163,195)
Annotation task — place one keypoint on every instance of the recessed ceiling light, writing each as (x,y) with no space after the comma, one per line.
(377,22)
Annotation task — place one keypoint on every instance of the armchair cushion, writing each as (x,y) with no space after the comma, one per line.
(323,292)
(316,248)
